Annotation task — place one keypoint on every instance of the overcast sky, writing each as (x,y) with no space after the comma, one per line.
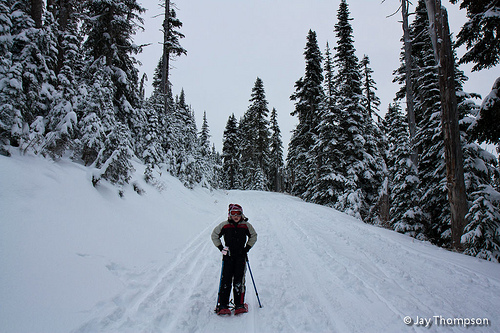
(232,42)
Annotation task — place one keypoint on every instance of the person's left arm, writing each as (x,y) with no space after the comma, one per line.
(252,237)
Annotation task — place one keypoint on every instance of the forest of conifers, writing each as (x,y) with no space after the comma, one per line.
(70,88)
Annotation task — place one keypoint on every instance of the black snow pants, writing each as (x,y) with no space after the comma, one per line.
(233,272)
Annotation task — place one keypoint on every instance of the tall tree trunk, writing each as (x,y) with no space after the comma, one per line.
(64,10)
(166,55)
(440,35)
(409,87)
(36,12)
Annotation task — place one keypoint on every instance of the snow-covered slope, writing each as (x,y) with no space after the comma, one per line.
(76,258)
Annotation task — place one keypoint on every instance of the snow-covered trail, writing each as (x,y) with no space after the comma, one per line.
(74,258)
(316,270)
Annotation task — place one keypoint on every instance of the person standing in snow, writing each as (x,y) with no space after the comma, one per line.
(239,237)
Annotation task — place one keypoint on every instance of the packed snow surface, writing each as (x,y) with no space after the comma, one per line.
(75,258)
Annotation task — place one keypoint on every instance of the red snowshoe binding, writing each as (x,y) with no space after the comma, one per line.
(223,311)
(241,309)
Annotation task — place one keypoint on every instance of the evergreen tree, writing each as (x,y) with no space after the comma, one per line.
(11,122)
(480,33)
(27,75)
(171,49)
(485,128)
(359,137)
(329,85)
(117,154)
(329,184)
(429,137)
(62,118)
(204,136)
(208,176)
(183,142)
(308,98)
(406,216)
(479,167)
(167,124)
(259,111)
(371,102)
(98,117)
(248,137)
(255,155)
(152,155)
(481,236)
(231,155)
(276,154)
(110,26)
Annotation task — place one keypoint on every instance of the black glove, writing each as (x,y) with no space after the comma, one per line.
(246,249)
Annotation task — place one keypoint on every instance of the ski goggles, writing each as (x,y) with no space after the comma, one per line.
(235,213)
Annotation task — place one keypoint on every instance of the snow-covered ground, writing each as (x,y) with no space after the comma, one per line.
(78,259)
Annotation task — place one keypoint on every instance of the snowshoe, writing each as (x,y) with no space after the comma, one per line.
(241,309)
(223,311)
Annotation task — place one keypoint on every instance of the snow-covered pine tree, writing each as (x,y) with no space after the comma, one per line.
(28,78)
(445,58)
(328,152)
(247,137)
(62,118)
(479,166)
(330,179)
(480,33)
(406,216)
(485,128)
(377,141)
(326,188)
(206,161)
(481,235)
(255,135)
(329,83)
(216,163)
(166,123)
(231,155)
(183,141)
(171,49)
(110,26)
(276,154)
(153,153)
(117,167)
(308,97)
(365,168)
(47,46)
(204,136)
(429,137)
(371,102)
(260,112)
(98,116)
(10,83)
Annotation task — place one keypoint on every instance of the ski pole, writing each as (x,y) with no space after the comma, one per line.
(251,275)
(220,284)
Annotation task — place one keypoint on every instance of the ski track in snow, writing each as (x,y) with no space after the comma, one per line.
(316,270)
